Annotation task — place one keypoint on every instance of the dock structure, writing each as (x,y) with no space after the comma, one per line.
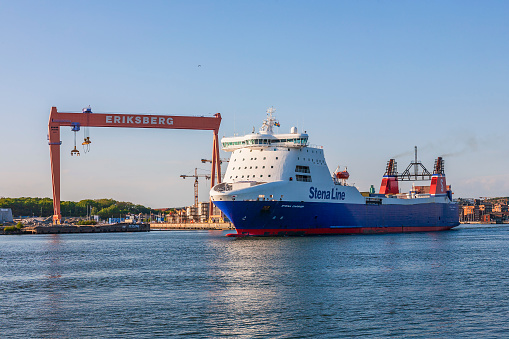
(62,229)
(192,226)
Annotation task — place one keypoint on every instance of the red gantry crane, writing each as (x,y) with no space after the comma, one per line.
(89,119)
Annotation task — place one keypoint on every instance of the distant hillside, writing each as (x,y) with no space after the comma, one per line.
(44,207)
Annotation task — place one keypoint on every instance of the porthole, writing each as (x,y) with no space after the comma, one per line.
(271,166)
(264,158)
(263,166)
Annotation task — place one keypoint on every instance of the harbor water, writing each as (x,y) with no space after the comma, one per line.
(201,284)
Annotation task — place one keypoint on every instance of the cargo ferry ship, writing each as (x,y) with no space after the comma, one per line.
(279,184)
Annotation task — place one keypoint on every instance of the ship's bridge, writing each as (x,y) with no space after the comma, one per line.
(266,137)
(293,140)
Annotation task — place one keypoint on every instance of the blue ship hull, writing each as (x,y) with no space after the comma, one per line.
(300,218)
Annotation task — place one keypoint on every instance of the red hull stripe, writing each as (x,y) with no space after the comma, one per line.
(342,230)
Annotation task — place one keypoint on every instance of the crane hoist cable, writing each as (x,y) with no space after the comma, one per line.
(75,128)
(86,141)
(86,138)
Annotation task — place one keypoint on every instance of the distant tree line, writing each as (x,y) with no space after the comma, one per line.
(43,207)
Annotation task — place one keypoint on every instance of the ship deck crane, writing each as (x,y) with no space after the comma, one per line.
(196,176)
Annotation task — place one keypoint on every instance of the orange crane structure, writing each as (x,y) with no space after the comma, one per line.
(89,119)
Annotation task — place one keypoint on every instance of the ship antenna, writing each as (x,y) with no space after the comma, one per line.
(269,122)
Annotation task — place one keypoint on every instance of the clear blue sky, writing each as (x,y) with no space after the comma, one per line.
(368,80)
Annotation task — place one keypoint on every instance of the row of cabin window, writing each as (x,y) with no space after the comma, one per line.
(254,176)
(250,167)
(300,141)
(277,158)
(298,168)
(309,159)
(298,177)
(264,158)
(300,150)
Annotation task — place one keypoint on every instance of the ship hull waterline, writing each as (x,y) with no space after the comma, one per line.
(283,218)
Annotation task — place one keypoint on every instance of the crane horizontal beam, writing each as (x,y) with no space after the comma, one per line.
(135,120)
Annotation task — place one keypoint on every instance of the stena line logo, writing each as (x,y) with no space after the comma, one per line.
(332,194)
(138,120)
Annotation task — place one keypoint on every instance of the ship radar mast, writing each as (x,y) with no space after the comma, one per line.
(269,123)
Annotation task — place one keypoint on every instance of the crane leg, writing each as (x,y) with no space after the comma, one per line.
(54,149)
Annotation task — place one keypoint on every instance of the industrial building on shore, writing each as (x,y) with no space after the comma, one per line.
(5,215)
(484,210)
